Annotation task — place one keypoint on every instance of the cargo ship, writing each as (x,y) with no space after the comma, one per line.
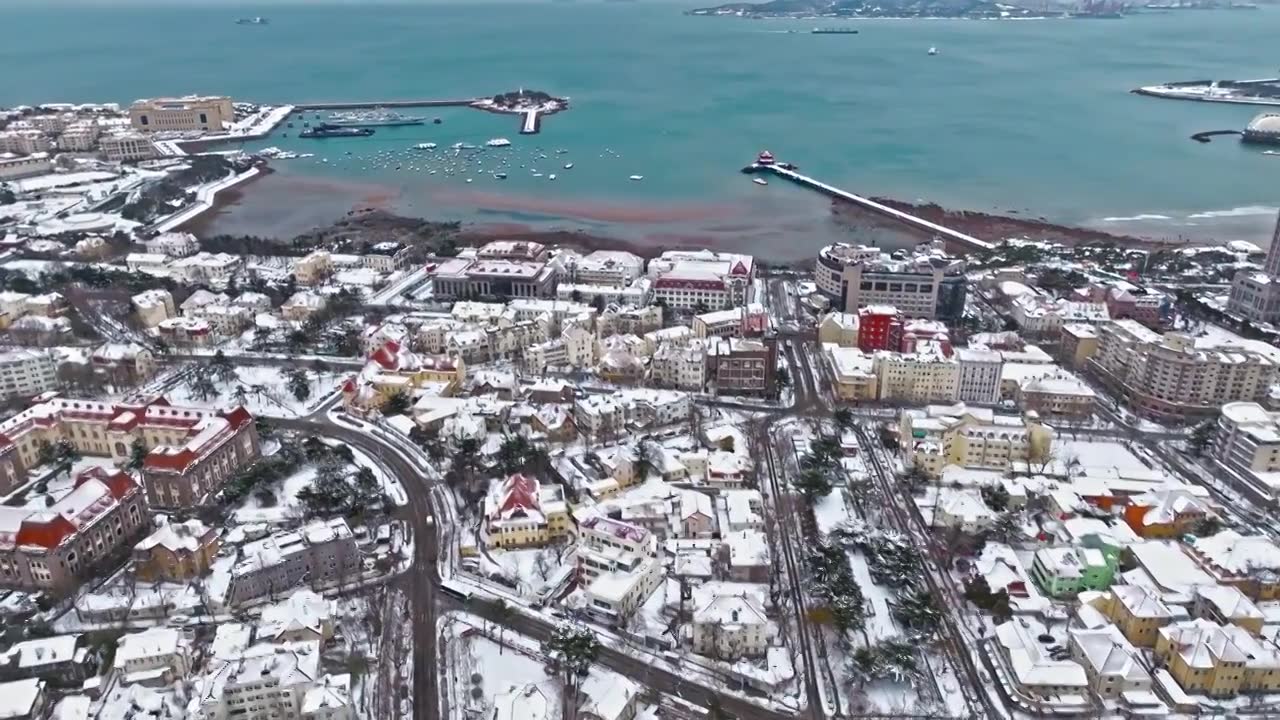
(372,119)
(833,31)
(325,130)
(252,21)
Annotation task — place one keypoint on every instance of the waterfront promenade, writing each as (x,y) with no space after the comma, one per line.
(968,242)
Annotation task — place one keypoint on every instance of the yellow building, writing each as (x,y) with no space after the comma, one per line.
(851,372)
(839,328)
(1225,604)
(314,268)
(942,435)
(184,114)
(176,552)
(1079,343)
(1137,611)
(522,512)
(392,369)
(1217,660)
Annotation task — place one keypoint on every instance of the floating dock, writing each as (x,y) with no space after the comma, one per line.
(954,236)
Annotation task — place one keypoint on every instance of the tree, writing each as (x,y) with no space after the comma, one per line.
(397,403)
(7,195)
(511,454)
(202,385)
(571,649)
(1201,438)
(222,368)
(918,610)
(996,497)
(645,458)
(812,484)
(843,418)
(783,378)
(137,455)
(299,383)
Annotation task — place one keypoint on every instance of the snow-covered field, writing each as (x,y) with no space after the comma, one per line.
(265,392)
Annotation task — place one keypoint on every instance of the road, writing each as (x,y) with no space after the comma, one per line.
(421,581)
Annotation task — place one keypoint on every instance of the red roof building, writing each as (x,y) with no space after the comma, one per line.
(51,548)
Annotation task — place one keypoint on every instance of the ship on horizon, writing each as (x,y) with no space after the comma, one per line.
(833,31)
(372,119)
(257,20)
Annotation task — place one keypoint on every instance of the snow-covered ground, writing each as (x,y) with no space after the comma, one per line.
(266,393)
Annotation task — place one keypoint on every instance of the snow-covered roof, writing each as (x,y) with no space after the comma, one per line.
(1109,654)
(176,537)
(1233,554)
(149,644)
(303,610)
(18,698)
(1031,663)
(34,653)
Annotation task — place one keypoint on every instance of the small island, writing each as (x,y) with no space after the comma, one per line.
(968,9)
(532,104)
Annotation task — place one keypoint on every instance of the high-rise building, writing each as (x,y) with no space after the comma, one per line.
(1255,296)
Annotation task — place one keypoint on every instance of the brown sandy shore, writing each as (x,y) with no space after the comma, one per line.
(995,228)
(987,226)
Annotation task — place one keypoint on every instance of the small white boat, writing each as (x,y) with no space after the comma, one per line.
(637,177)
(760,181)
(425,146)
(933,51)
(537,174)
(498,142)
(552,176)
(568,166)
(468,179)
(500,176)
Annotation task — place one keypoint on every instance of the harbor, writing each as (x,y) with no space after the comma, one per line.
(766,163)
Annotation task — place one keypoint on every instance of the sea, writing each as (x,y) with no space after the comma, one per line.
(1032,117)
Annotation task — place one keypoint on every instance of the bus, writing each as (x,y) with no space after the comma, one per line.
(456,589)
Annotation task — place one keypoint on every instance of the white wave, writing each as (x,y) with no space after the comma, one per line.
(1136,218)
(1245,211)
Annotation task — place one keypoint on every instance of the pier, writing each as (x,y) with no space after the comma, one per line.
(532,123)
(376,104)
(966,241)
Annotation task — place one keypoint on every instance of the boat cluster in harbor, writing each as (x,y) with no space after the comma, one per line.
(495,159)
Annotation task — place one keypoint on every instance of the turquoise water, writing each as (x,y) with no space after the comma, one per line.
(1032,116)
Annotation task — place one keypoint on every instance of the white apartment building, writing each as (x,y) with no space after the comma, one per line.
(1034,671)
(16,167)
(80,136)
(1248,439)
(922,377)
(730,627)
(701,279)
(153,306)
(126,147)
(1177,377)
(611,268)
(26,373)
(386,256)
(215,268)
(929,284)
(621,562)
(159,656)
(184,114)
(173,244)
(938,436)
(599,415)
(637,294)
(24,142)
(1037,315)
(832,260)
(980,371)
(680,366)
(266,681)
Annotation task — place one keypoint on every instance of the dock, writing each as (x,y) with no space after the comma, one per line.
(954,236)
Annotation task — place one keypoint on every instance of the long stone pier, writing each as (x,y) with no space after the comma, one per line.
(954,236)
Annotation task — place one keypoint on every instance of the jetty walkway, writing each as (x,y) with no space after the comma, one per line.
(372,105)
(967,241)
(532,123)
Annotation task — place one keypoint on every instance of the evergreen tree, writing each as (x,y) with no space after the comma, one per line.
(137,455)
(397,403)
(1201,438)
(996,497)
(222,368)
(812,483)
(299,383)
(843,417)
(202,385)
